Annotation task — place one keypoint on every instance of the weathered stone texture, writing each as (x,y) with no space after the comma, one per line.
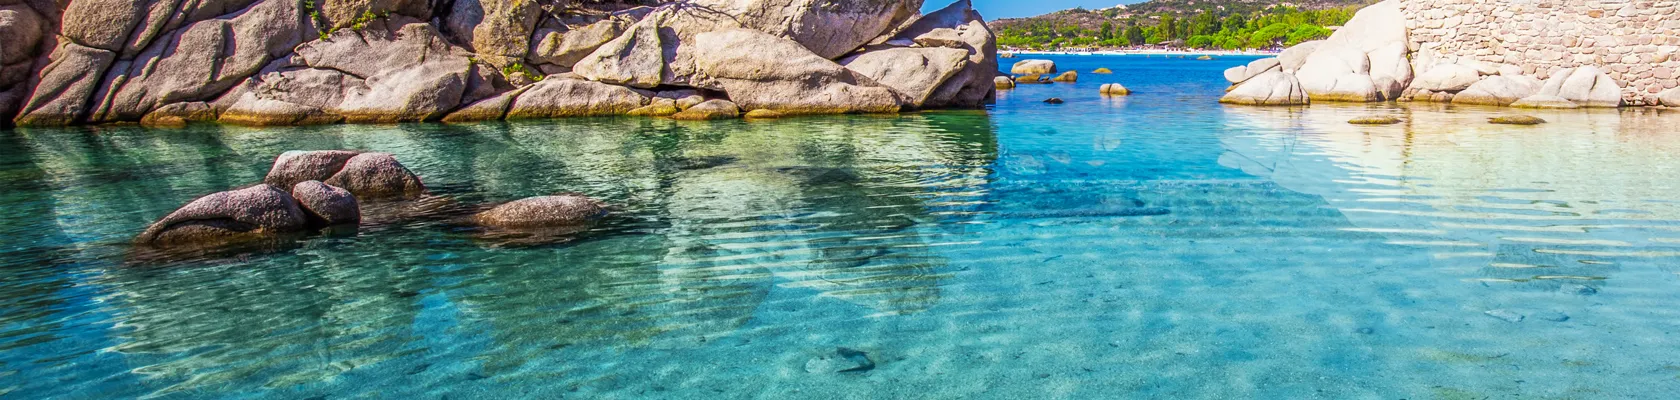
(1633,41)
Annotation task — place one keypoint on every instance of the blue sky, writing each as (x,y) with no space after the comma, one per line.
(994,9)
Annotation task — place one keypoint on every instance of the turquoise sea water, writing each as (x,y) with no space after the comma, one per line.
(1154,246)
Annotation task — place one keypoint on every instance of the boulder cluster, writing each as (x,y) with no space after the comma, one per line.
(1375,57)
(1041,71)
(292,62)
(303,190)
(309,190)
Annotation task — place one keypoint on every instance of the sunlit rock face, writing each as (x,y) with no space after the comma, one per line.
(1490,53)
(285,62)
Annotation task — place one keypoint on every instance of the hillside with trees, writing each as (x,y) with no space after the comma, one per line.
(1198,24)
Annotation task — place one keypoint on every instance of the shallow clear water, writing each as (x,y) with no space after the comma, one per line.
(1153,246)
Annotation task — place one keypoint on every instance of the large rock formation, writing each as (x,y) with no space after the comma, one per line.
(1489,53)
(950,60)
(1275,88)
(1363,61)
(781,75)
(1634,43)
(287,62)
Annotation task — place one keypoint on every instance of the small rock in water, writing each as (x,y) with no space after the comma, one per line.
(1507,315)
(844,360)
(1517,120)
(1366,331)
(1578,289)
(1375,120)
(864,363)
(1053,100)
(1553,316)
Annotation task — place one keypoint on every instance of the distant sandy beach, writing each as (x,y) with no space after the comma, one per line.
(1143,52)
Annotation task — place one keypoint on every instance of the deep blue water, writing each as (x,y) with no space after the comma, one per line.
(1152,246)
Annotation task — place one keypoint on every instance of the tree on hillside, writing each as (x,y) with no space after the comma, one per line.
(1134,35)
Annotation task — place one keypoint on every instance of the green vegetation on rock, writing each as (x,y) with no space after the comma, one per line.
(1203,25)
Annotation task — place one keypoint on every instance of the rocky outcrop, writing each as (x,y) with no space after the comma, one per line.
(708,110)
(121,61)
(780,75)
(1586,62)
(565,97)
(286,62)
(1241,73)
(1447,78)
(543,212)
(1363,61)
(1632,42)
(1498,91)
(233,215)
(950,60)
(1670,98)
(915,73)
(1275,88)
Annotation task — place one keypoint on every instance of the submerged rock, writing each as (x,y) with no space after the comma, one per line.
(1375,120)
(1553,316)
(763,114)
(232,215)
(377,176)
(1053,100)
(1545,101)
(326,205)
(843,360)
(1507,315)
(543,211)
(1516,120)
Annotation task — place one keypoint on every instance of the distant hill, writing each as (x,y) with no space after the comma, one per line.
(1225,24)
(1234,6)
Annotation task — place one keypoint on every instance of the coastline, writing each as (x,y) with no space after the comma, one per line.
(1141,52)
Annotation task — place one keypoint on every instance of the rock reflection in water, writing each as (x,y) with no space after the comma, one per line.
(1529,208)
(710,219)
